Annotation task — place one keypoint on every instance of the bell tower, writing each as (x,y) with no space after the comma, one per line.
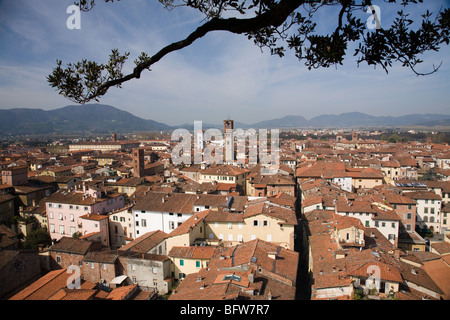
(228,127)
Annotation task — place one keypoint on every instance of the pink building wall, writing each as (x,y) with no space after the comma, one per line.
(64,217)
(96,228)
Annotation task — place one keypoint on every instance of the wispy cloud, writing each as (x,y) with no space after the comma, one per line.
(221,74)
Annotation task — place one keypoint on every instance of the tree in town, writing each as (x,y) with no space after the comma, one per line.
(278,25)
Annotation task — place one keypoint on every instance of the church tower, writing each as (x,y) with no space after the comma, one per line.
(138,163)
(228,127)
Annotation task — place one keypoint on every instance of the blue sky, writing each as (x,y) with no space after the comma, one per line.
(218,76)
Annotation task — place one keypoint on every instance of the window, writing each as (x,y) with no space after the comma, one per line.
(71,217)
(52,228)
(61,229)
(58,259)
(72,230)
(393,224)
(229,225)
(409,215)
(51,215)
(240,225)
(171,225)
(255,223)
(197,264)
(144,222)
(92,265)
(155,282)
(155,270)
(269,237)
(377,224)
(265,223)
(240,239)
(425,210)
(60,216)
(181,262)
(432,210)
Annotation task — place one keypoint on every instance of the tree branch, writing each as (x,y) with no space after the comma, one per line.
(272,18)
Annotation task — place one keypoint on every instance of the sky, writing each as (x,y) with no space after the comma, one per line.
(220,75)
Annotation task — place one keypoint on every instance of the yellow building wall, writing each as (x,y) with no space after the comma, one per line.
(268,229)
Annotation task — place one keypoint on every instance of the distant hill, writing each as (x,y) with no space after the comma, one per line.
(95,118)
(285,122)
(103,119)
(355,120)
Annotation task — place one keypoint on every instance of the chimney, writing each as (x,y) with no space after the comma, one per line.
(251,277)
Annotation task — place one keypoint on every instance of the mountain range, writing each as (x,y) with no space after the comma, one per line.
(94,118)
(98,118)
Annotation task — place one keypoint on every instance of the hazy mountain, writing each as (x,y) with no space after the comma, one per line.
(96,118)
(353,120)
(285,122)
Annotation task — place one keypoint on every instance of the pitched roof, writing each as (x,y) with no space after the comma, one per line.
(166,202)
(48,285)
(192,252)
(382,271)
(190,223)
(146,242)
(420,195)
(72,245)
(268,209)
